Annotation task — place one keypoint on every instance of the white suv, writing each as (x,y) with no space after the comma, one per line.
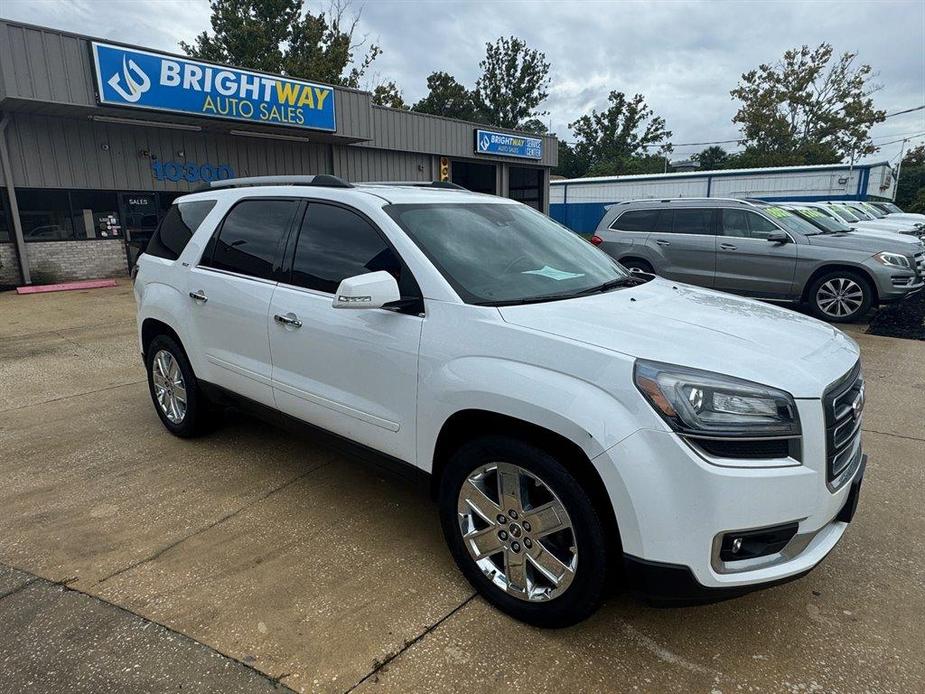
(582,426)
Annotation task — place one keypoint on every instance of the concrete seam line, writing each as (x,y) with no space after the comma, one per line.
(380,665)
(69,330)
(73,395)
(15,590)
(163,550)
(64,586)
(889,433)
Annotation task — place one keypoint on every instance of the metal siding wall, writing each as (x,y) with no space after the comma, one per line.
(363,164)
(409,131)
(51,152)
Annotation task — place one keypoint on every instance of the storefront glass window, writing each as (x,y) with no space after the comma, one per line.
(45,214)
(95,215)
(5,230)
(526,186)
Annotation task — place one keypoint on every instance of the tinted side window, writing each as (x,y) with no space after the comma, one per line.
(735,223)
(177,228)
(759,227)
(692,222)
(636,220)
(334,244)
(663,222)
(250,237)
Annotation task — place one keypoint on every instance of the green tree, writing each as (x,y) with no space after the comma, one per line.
(712,158)
(275,36)
(910,189)
(388,94)
(447,97)
(513,83)
(810,107)
(619,139)
(570,164)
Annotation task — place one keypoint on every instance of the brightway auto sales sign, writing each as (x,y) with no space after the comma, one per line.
(154,81)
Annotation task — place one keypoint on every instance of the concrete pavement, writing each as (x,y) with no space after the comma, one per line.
(264,552)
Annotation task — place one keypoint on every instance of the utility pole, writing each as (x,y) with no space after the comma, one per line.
(899,168)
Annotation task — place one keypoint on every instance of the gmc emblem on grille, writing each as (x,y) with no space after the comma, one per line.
(857,406)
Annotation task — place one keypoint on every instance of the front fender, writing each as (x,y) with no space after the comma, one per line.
(582,412)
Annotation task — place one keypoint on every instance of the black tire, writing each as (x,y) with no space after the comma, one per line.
(859,296)
(637,265)
(583,595)
(200,414)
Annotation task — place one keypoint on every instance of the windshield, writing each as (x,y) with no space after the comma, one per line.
(821,219)
(890,208)
(873,211)
(860,213)
(845,213)
(790,221)
(497,254)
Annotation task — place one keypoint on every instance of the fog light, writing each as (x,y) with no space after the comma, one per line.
(748,544)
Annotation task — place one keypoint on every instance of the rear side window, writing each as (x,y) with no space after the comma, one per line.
(251,237)
(692,222)
(178,227)
(636,220)
(335,243)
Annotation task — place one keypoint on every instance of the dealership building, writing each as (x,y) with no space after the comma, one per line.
(97,139)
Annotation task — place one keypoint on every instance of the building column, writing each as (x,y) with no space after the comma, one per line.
(7,172)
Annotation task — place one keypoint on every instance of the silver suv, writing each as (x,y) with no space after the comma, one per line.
(763,251)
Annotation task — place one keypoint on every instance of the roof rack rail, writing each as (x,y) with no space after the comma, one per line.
(320,180)
(443,185)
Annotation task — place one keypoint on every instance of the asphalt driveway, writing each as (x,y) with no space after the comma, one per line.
(255,559)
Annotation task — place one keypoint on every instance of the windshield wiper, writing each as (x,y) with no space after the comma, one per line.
(600,288)
(607,286)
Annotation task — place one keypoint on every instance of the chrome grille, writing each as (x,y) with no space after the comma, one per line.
(920,263)
(843,402)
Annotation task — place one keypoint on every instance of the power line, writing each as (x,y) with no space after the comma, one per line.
(908,110)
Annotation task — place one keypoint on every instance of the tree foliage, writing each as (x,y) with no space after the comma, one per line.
(712,158)
(513,83)
(447,97)
(811,107)
(620,139)
(275,36)
(388,94)
(910,189)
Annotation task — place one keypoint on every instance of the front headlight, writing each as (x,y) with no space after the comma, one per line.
(706,404)
(893,259)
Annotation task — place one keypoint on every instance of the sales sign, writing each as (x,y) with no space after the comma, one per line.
(154,81)
(502,144)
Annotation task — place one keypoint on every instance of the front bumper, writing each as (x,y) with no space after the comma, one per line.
(673,585)
(673,505)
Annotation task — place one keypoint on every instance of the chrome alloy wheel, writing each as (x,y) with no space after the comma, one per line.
(839,297)
(517,532)
(169,386)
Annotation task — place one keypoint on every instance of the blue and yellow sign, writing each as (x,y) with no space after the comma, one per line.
(505,145)
(141,79)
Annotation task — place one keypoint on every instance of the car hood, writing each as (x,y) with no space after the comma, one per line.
(867,240)
(681,324)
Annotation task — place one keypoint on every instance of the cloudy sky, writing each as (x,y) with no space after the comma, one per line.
(683,56)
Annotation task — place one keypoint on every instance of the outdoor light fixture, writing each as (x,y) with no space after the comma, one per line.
(146,123)
(269,136)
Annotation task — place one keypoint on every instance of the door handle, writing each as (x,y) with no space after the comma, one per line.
(662,242)
(727,246)
(288,319)
(199,296)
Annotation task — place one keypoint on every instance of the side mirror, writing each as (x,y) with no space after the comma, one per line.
(372,290)
(778,237)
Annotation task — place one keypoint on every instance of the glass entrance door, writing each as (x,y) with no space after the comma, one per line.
(140,217)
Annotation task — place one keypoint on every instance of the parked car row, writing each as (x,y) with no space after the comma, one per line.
(807,253)
(581,425)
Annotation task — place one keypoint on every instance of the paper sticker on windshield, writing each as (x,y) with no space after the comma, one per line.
(554,274)
(777,212)
(809,212)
